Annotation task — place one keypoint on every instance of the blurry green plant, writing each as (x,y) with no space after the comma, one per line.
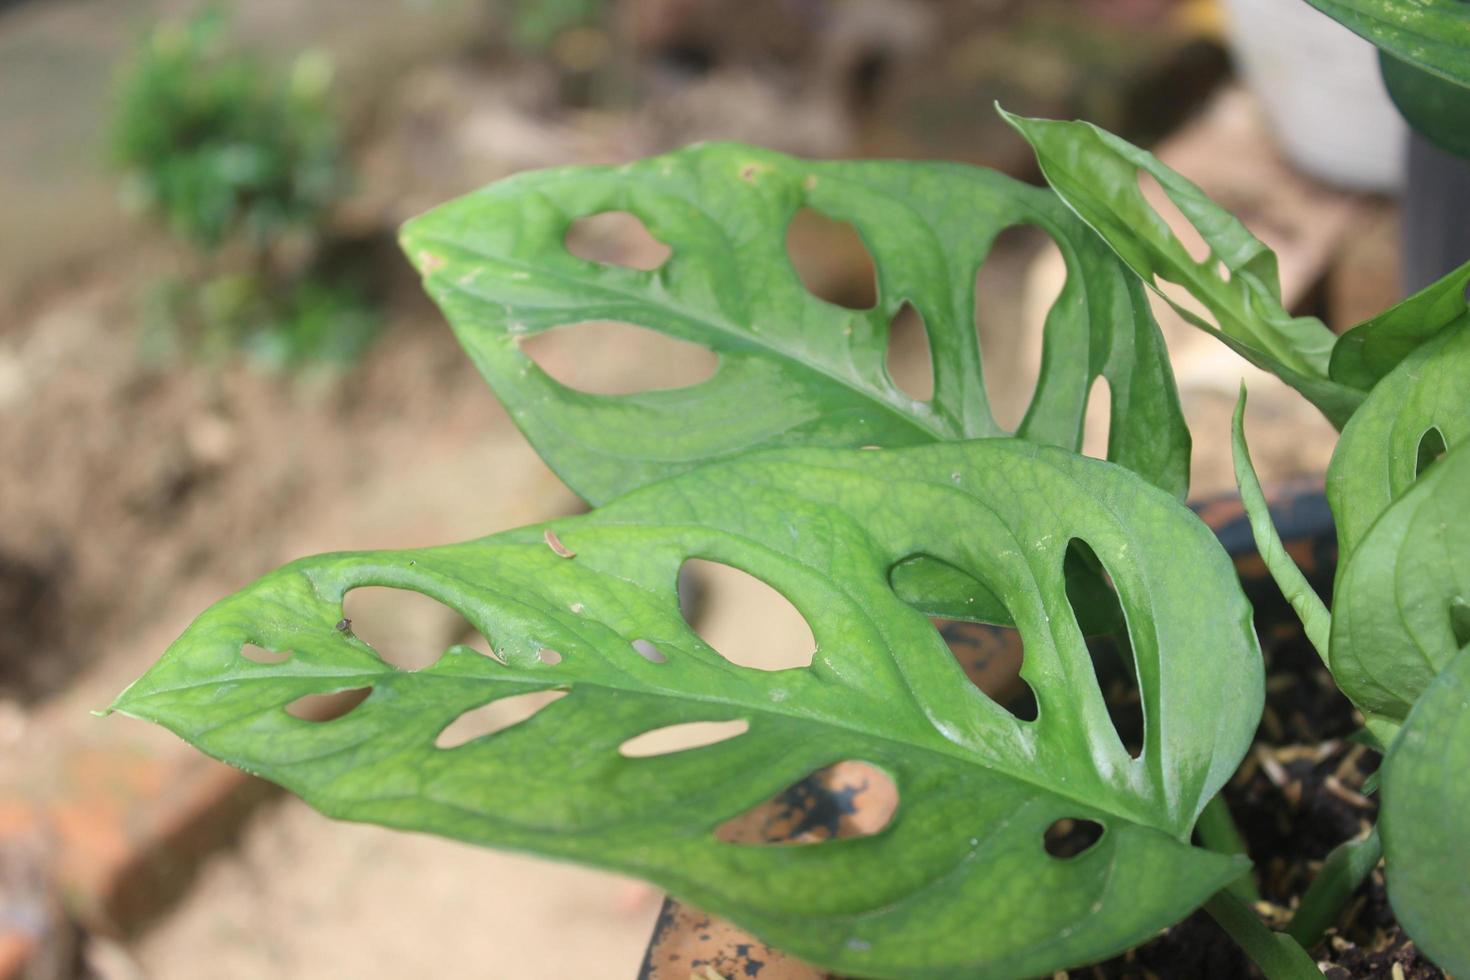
(243,164)
(535,24)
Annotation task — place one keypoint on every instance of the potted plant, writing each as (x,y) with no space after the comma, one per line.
(802,463)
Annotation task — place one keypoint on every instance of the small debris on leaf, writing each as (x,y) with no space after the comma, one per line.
(554,543)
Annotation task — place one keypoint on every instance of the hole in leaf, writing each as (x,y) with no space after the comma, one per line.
(991,657)
(678,738)
(910,361)
(1431,448)
(649,652)
(407,629)
(548,656)
(476,641)
(262,655)
(328,706)
(1071,836)
(747,621)
(1099,614)
(1222,270)
(1098,419)
(1015,287)
(1460,621)
(845,800)
(607,357)
(831,260)
(1181,297)
(1183,229)
(494,717)
(937,588)
(616,238)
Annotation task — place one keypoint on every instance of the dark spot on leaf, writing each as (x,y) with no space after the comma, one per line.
(843,800)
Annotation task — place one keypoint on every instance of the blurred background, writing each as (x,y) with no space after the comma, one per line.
(213,360)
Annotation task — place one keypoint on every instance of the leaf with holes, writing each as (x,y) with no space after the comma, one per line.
(1431,34)
(1402,600)
(793,369)
(960,881)
(1097,173)
(1426,818)
(1421,407)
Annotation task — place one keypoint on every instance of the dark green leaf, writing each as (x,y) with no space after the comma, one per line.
(959,883)
(793,369)
(1433,34)
(1368,352)
(1393,625)
(1096,173)
(1436,107)
(1378,457)
(1425,820)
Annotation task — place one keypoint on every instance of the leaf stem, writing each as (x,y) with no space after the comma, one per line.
(1217,831)
(1341,874)
(1316,620)
(1277,954)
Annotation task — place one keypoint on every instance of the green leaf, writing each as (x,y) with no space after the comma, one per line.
(1434,106)
(1425,819)
(1316,621)
(1096,173)
(1396,611)
(1379,455)
(959,883)
(1368,352)
(793,369)
(1432,34)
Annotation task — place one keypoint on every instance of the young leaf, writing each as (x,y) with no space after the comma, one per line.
(1316,621)
(1368,352)
(1426,819)
(1431,34)
(1378,457)
(793,369)
(1394,621)
(978,787)
(1096,173)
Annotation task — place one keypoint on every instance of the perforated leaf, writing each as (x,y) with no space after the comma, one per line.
(1402,602)
(1379,455)
(1096,173)
(1426,819)
(959,884)
(793,369)
(1432,34)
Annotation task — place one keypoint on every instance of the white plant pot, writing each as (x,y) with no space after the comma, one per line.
(1322,93)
